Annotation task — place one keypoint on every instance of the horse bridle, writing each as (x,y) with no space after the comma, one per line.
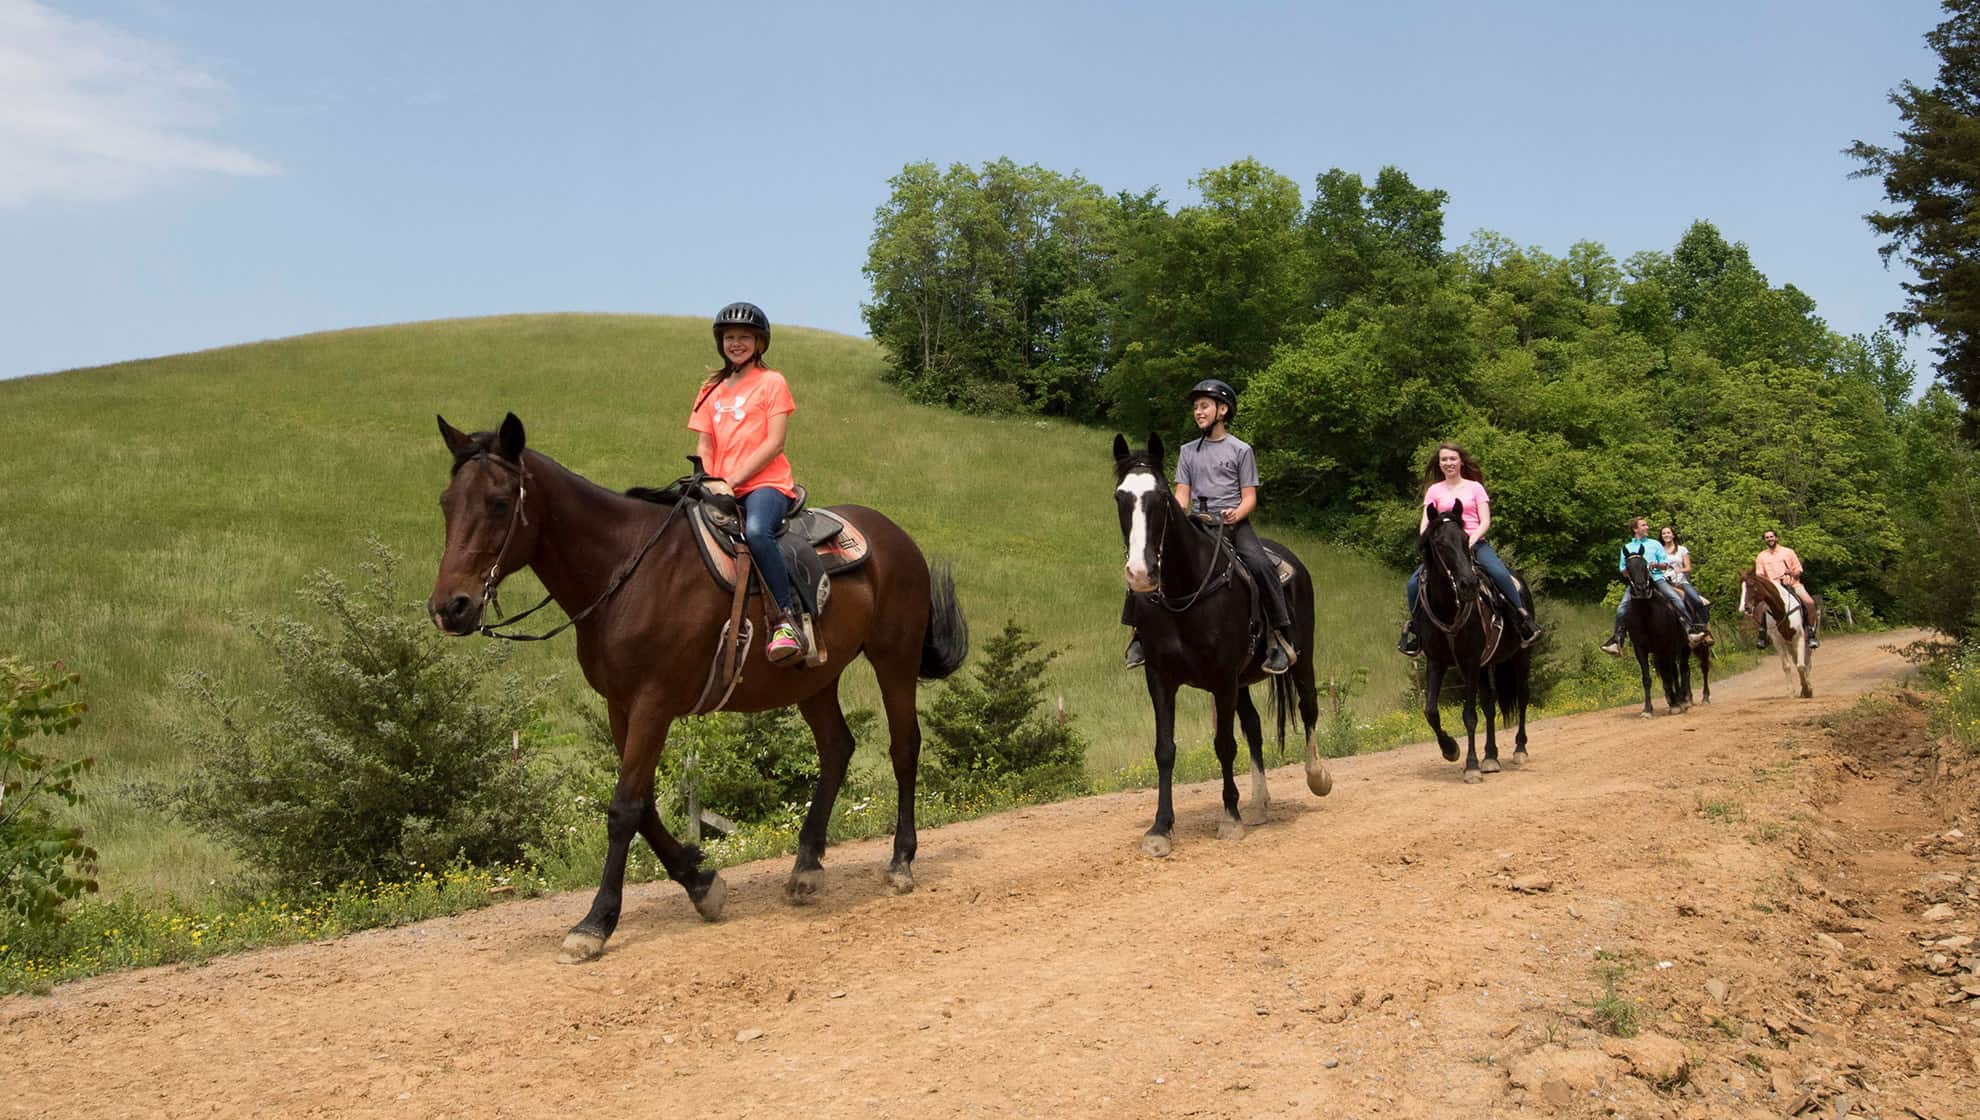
(1209,574)
(1465,605)
(489,584)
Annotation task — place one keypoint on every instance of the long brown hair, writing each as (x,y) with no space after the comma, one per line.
(1467,466)
(729,369)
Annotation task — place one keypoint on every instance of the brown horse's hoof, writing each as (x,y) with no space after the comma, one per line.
(1490,766)
(900,880)
(1318,780)
(1230,829)
(801,889)
(1473,777)
(1155,845)
(580,946)
(1519,757)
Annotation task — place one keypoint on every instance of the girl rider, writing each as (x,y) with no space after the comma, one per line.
(739,421)
(1450,477)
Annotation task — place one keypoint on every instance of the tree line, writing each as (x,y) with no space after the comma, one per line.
(1682,384)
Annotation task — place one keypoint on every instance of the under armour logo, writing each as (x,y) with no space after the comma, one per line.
(734,407)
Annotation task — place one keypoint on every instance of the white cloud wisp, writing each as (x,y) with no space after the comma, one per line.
(88,111)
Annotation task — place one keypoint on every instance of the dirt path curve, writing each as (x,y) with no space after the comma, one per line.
(1362,955)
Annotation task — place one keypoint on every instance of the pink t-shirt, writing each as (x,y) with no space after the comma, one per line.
(1471,493)
(736,415)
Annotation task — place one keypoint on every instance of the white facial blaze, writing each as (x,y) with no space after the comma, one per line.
(1136,486)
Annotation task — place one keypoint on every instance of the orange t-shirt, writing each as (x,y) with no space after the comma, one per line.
(736,415)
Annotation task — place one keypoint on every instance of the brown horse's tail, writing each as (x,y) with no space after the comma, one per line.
(946,643)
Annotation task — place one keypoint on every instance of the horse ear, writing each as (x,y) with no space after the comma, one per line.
(456,439)
(1457,509)
(510,439)
(1120,448)
(1156,449)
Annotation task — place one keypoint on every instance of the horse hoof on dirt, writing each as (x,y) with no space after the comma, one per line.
(1255,814)
(1318,780)
(1519,757)
(580,947)
(1449,747)
(709,905)
(1490,766)
(1155,845)
(1228,829)
(1646,714)
(801,889)
(900,880)
(1473,777)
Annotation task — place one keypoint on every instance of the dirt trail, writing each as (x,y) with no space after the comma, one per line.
(1363,955)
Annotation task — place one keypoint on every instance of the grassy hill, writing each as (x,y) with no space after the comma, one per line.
(149,510)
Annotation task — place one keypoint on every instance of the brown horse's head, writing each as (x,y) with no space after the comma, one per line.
(489,532)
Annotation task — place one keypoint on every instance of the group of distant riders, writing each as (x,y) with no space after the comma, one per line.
(740,417)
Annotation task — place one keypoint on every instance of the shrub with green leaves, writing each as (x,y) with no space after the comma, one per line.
(386,749)
(985,728)
(43,864)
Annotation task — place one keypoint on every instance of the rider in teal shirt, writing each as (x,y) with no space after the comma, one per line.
(1652,551)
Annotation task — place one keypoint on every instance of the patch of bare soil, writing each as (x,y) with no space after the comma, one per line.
(1781,905)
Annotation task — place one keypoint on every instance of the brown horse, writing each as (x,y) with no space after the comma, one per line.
(1769,602)
(648,619)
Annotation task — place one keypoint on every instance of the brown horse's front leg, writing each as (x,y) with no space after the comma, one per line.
(633,813)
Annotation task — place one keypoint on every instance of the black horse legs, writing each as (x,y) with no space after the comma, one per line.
(1433,687)
(1231,827)
(835,747)
(1156,841)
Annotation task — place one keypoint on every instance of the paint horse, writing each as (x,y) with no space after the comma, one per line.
(1200,625)
(648,614)
(1771,602)
(1462,630)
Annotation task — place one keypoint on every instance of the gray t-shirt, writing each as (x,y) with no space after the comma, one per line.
(1216,472)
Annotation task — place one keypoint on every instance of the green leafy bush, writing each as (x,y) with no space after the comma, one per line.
(985,729)
(42,864)
(381,754)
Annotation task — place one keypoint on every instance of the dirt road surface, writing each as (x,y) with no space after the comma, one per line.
(1755,888)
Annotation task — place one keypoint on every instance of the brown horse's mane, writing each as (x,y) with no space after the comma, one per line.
(483,445)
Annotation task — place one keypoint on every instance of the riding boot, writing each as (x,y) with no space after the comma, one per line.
(1808,617)
(1529,631)
(1613,647)
(1277,659)
(1136,657)
(1411,643)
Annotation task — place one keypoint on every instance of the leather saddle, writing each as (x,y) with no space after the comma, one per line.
(816,545)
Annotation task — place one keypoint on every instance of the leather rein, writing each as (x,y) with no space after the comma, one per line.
(1219,552)
(1466,606)
(490,592)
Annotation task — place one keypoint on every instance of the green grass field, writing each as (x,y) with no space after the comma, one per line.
(149,510)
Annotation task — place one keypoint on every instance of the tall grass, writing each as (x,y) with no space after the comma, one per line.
(147,509)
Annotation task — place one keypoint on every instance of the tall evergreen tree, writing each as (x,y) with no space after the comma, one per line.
(1932,176)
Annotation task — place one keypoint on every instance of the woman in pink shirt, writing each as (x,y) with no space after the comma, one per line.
(1450,477)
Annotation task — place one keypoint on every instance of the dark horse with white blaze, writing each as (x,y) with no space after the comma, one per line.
(1462,630)
(649,618)
(1194,612)
(1657,633)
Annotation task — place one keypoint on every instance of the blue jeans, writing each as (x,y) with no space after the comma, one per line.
(763,510)
(1675,597)
(1488,559)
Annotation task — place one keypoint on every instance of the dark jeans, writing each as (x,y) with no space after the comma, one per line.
(1696,602)
(763,510)
(1263,569)
(1670,593)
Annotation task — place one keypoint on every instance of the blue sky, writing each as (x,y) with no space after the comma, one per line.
(178,175)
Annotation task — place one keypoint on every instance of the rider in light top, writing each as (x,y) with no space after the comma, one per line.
(739,422)
(1451,476)
(1218,473)
(1679,573)
(1640,544)
(1779,563)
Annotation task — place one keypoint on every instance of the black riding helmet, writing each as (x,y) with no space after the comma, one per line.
(744,315)
(1217,391)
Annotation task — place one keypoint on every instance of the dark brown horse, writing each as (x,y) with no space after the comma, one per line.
(648,619)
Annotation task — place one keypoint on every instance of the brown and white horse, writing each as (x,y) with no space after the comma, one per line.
(1768,600)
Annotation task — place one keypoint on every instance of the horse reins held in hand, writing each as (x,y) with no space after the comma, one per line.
(1465,606)
(1217,553)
